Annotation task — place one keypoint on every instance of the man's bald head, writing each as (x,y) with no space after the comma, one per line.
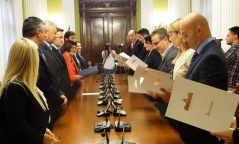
(195,29)
(132,34)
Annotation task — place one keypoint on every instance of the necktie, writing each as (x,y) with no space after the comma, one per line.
(193,58)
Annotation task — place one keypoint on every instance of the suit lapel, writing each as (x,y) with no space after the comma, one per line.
(198,58)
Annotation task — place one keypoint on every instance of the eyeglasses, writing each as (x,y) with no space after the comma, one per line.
(156,43)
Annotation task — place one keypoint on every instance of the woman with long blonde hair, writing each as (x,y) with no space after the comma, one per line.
(185,53)
(23,109)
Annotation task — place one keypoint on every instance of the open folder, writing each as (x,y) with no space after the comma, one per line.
(154,79)
(202,106)
(134,61)
(134,85)
(88,71)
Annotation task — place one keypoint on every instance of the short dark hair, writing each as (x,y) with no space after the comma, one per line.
(235,30)
(147,39)
(143,31)
(162,33)
(31,25)
(68,34)
(67,45)
(59,29)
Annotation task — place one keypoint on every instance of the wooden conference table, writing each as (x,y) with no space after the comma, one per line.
(76,125)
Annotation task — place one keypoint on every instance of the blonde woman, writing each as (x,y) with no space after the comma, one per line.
(185,53)
(23,109)
(183,58)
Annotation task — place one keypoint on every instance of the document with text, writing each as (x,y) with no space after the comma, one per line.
(133,62)
(202,106)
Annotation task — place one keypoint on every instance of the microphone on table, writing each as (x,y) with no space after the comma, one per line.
(104,134)
(113,94)
(123,141)
(120,124)
(117,111)
(104,112)
(101,126)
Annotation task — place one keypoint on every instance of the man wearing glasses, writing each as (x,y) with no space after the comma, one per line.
(160,41)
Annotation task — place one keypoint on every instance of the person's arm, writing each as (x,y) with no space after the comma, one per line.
(103,54)
(112,52)
(46,85)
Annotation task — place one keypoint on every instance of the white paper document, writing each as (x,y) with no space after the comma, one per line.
(144,71)
(121,60)
(134,61)
(201,106)
(154,82)
(134,85)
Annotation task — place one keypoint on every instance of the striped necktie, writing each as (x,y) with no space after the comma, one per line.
(193,58)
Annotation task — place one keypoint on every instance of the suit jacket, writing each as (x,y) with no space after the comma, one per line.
(143,53)
(153,60)
(83,62)
(47,82)
(137,48)
(71,67)
(210,68)
(61,72)
(22,120)
(167,67)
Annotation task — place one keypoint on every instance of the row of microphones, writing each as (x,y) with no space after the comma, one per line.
(108,96)
(108,112)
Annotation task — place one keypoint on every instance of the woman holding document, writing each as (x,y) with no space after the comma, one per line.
(182,60)
(185,53)
(69,49)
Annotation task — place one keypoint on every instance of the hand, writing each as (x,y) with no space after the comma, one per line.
(234,123)
(152,94)
(225,135)
(48,139)
(78,78)
(166,96)
(64,105)
(49,133)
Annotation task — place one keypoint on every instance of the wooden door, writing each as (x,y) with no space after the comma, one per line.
(104,21)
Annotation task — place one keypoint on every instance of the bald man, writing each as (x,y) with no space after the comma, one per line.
(137,45)
(208,66)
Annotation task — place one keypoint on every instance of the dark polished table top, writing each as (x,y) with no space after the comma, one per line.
(76,125)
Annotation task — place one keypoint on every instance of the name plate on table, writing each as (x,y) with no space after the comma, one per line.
(202,106)
(134,85)
(134,61)
(88,71)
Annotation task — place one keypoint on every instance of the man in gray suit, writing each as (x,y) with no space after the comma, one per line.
(160,40)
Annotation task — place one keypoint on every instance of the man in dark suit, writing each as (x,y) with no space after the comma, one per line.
(160,41)
(208,66)
(61,74)
(49,68)
(137,45)
(142,33)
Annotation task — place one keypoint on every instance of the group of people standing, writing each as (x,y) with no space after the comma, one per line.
(42,74)
(187,49)
(40,80)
